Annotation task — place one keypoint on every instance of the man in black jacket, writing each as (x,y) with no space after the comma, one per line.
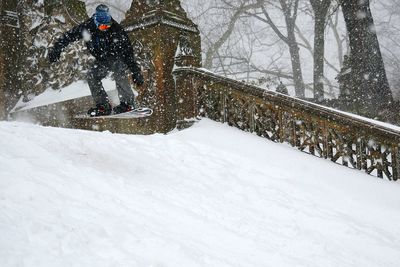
(107,41)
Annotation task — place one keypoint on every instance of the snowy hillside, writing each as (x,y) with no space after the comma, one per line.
(207,196)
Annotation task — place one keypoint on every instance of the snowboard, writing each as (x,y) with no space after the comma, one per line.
(136,113)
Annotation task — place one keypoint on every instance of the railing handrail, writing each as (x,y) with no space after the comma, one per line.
(329,113)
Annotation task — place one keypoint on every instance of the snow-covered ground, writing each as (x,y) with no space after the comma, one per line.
(207,196)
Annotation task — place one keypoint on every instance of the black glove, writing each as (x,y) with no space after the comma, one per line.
(138,79)
(54,55)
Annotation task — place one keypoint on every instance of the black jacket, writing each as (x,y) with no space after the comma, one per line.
(105,46)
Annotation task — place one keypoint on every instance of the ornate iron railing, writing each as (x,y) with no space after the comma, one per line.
(343,138)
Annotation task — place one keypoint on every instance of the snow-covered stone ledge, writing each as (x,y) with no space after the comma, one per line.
(59,108)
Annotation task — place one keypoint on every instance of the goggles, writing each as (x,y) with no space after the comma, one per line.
(104,27)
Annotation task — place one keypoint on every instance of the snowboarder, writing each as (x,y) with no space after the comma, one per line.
(108,42)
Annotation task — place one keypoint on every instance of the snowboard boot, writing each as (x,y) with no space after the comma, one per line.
(123,107)
(100,110)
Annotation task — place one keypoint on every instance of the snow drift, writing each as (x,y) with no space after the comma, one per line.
(207,196)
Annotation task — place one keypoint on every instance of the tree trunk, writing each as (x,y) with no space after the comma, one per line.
(320,12)
(290,12)
(370,84)
(296,65)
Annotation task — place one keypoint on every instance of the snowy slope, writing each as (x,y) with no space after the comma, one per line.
(207,196)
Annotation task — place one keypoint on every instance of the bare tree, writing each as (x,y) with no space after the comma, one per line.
(289,9)
(238,12)
(233,41)
(254,50)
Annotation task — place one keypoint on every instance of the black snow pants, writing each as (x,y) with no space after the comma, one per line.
(100,70)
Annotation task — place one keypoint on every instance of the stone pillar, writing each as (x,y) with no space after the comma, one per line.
(185,89)
(9,55)
(155,28)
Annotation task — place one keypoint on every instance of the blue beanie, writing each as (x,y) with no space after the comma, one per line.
(102,15)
